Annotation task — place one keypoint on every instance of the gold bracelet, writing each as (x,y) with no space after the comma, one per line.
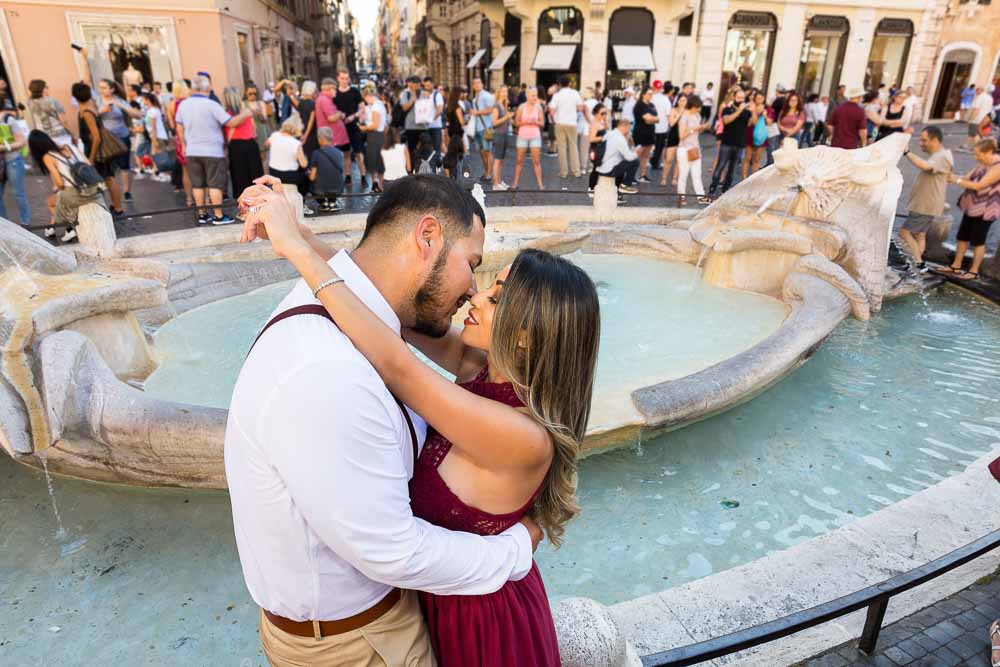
(326,283)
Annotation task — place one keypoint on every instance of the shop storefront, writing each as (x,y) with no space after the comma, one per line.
(890,49)
(560,39)
(749,50)
(129,49)
(508,59)
(956,72)
(822,58)
(630,50)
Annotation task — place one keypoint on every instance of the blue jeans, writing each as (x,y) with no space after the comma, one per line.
(15,177)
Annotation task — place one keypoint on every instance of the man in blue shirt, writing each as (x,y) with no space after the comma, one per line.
(482,115)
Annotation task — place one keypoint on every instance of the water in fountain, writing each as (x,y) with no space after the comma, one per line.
(69,546)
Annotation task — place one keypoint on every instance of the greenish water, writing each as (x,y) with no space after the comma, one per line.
(883,410)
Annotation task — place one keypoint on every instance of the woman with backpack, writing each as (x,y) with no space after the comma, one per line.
(103,149)
(74,181)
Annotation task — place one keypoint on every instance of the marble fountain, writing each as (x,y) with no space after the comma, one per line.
(99,380)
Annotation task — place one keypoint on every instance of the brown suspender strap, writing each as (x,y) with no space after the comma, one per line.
(316,309)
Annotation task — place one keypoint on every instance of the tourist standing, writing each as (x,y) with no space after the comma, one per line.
(690,126)
(735,119)
(412,129)
(286,159)
(979,116)
(325,172)
(502,117)
(156,128)
(376,119)
(849,125)
(329,115)
(599,120)
(663,108)
(563,108)
(13,139)
(873,115)
(179,177)
(809,129)
(967,97)
(707,101)
(116,117)
(628,105)
(262,114)
(47,114)
(980,204)
(928,192)
(528,120)
(436,126)
(583,128)
(455,114)
(102,148)
(673,140)
(893,116)
(482,115)
(241,143)
(644,131)
(757,134)
(620,159)
(285,100)
(831,106)
(200,123)
(792,118)
(307,113)
(348,100)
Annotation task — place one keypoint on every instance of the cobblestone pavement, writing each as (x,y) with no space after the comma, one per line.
(955,631)
(151,195)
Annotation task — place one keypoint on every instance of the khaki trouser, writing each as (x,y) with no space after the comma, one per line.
(397,639)
(568,148)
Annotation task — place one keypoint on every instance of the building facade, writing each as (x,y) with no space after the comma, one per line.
(236,41)
(968,52)
(811,46)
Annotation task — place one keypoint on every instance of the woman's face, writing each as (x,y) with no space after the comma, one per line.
(682,102)
(983,157)
(478,331)
(104,89)
(532,95)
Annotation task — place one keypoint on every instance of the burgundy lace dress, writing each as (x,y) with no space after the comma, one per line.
(511,627)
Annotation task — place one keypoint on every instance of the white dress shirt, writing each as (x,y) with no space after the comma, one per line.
(318,458)
(564,105)
(616,151)
(662,105)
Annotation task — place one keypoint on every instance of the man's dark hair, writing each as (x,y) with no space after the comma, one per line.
(170,86)
(420,194)
(564,81)
(934,132)
(428,79)
(80,92)
(413,79)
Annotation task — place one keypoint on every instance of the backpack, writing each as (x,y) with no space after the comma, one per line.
(760,133)
(429,164)
(82,176)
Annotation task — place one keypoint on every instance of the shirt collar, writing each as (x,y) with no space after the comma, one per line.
(364,289)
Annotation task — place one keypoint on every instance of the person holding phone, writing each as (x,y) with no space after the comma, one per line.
(735,119)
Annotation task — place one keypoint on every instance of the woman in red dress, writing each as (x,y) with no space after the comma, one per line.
(505,437)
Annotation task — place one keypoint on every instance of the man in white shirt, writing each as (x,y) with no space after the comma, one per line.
(436,125)
(912,104)
(563,108)
(628,106)
(707,101)
(982,105)
(620,159)
(662,128)
(319,454)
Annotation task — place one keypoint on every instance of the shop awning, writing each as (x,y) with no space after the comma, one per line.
(557,57)
(630,58)
(476,57)
(505,53)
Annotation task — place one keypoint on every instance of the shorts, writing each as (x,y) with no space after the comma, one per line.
(500,142)
(356,138)
(123,161)
(483,143)
(207,172)
(974,230)
(534,142)
(973,129)
(918,223)
(344,148)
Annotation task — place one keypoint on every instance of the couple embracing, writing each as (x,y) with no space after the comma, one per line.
(383,514)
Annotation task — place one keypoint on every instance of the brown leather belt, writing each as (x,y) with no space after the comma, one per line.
(320,629)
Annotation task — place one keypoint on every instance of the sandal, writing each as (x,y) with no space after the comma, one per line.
(995,644)
(964,275)
(945,270)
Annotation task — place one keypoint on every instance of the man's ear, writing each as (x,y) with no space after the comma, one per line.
(427,234)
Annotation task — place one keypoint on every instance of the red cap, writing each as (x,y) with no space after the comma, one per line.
(657,84)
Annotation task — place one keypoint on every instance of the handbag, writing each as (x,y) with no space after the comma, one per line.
(111,147)
(760,132)
(693,155)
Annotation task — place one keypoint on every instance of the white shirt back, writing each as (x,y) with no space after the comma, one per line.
(318,459)
(662,105)
(565,103)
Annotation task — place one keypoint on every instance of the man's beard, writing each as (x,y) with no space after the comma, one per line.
(429,303)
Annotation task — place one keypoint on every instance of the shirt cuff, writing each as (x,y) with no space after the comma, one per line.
(525,552)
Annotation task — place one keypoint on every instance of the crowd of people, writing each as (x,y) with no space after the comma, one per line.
(317,136)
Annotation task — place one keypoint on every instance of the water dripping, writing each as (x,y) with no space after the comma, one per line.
(696,276)
(70,546)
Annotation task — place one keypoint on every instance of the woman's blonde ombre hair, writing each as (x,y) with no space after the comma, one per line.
(545,338)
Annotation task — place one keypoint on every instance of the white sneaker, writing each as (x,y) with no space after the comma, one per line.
(50,232)
(68,236)
(501,186)
(307,211)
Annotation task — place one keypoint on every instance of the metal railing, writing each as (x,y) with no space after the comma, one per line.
(875,598)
